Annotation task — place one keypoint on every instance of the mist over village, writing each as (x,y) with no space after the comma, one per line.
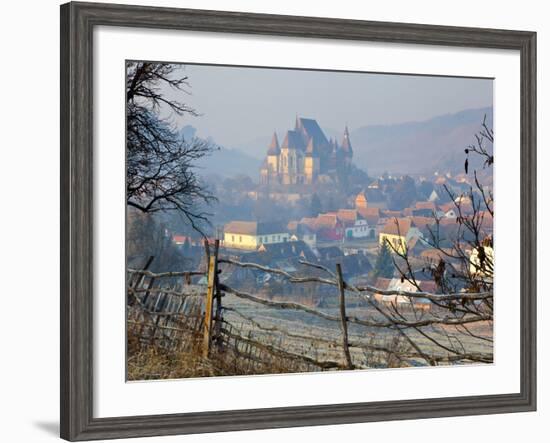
(323,243)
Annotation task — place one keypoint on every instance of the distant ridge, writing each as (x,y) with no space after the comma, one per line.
(419,147)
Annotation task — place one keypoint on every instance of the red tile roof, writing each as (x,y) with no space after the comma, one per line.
(399,226)
(425,205)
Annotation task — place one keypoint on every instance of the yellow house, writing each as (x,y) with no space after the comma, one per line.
(250,235)
(399,233)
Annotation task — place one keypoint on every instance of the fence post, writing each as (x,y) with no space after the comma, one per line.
(343,318)
(209,303)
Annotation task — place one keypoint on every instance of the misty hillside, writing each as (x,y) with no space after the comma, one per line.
(228,162)
(225,162)
(257,146)
(418,147)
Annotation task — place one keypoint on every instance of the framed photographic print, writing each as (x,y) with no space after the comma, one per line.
(272,221)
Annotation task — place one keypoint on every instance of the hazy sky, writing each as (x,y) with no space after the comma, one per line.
(239,104)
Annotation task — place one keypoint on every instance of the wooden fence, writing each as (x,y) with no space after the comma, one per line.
(179,315)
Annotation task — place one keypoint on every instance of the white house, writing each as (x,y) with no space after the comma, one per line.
(359,229)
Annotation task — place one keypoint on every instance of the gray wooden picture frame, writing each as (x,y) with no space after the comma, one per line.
(77,23)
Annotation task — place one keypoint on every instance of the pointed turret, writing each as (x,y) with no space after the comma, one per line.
(334,146)
(346,143)
(293,140)
(274,148)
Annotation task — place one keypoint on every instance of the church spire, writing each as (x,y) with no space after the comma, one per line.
(274,148)
(346,143)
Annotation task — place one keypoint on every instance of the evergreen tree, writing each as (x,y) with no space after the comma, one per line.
(186,247)
(384,263)
(315,207)
(403,194)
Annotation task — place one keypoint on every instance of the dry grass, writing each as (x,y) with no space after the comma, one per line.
(148,361)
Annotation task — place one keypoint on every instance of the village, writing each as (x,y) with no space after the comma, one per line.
(311,214)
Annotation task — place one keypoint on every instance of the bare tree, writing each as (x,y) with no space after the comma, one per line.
(161,172)
(463,266)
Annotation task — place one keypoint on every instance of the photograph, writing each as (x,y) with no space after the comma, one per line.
(295,220)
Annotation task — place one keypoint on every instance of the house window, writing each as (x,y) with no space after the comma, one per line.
(233,238)
(240,239)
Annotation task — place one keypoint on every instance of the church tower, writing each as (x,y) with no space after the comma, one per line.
(311,163)
(273,153)
(361,201)
(346,148)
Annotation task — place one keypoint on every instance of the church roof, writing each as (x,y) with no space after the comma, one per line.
(293,140)
(346,143)
(274,146)
(311,129)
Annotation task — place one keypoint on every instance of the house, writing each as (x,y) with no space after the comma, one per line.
(370,198)
(359,229)
(302,232)
(355,225)
(400,233)
(329,227)
(372,216)
(451,209)
(183,240)
(249,235)
(392,214)
(278,252)
(422,222)
(448,210)
(426,209)
(425,205)
(402,301)
(434,196)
